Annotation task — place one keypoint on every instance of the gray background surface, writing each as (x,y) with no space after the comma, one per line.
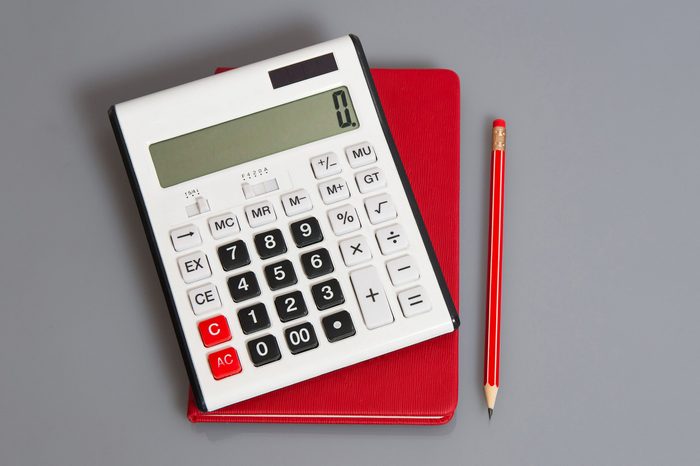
(601,284)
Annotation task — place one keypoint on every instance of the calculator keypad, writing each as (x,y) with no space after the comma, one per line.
(233,255)
(290,306)
(301,338)
(264,350)
(243,286)
(306,232)
(316,263)
(280,275)
(270,244)
(327,294)
(253,318)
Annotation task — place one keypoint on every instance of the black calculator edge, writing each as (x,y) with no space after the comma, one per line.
(404,180)
(158,260)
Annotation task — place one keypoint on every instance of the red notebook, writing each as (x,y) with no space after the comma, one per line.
(416,385)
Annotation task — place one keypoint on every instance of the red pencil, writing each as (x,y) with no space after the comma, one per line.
(492,351)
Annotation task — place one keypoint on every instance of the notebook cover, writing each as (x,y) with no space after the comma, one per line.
(419,384)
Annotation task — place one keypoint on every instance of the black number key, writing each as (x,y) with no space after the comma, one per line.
(316,263)
(280,274)
(243,286)
(233,255)
(270,244)
(264,350)
(301,338)
(327,294)
(306,232)
(290,306)
(338,326)
(253,318)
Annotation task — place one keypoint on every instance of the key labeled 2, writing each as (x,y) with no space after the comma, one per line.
(290,306)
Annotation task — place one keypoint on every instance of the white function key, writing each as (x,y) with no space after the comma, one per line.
(224,225)
(414,301)
(344,219)
(402,270)
(370,180)
(334,190)
(355,251)
(296,202)
(194,267)
(325,165)
(185,237)
(260,214)
(204,299)
(370,295)
(391,239)
(380,209)
(360,155)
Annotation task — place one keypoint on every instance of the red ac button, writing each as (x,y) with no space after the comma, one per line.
(214,331)
(224,363)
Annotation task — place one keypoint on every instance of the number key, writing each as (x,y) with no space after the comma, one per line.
(306,232)
(280,275)
(290,306)
(316,263)
(253,318)
(301,338)
(264,350)
(270,244)
(243,286)
(233,255)
(327,294)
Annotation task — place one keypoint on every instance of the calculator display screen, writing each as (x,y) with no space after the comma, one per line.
(253,136)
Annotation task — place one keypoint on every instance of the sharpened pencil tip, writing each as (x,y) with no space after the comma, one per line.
(490,413)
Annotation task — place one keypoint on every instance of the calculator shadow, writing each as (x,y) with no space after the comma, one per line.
(105,87)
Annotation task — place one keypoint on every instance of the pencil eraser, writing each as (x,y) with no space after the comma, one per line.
(499,122)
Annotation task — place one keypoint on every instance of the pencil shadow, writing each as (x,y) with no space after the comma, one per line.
(98,91)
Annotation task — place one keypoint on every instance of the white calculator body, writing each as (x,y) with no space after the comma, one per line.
(285,233)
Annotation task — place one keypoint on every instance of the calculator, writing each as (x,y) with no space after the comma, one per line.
(285,234)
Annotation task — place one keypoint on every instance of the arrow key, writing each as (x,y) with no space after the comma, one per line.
(185,237)
(380,209)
